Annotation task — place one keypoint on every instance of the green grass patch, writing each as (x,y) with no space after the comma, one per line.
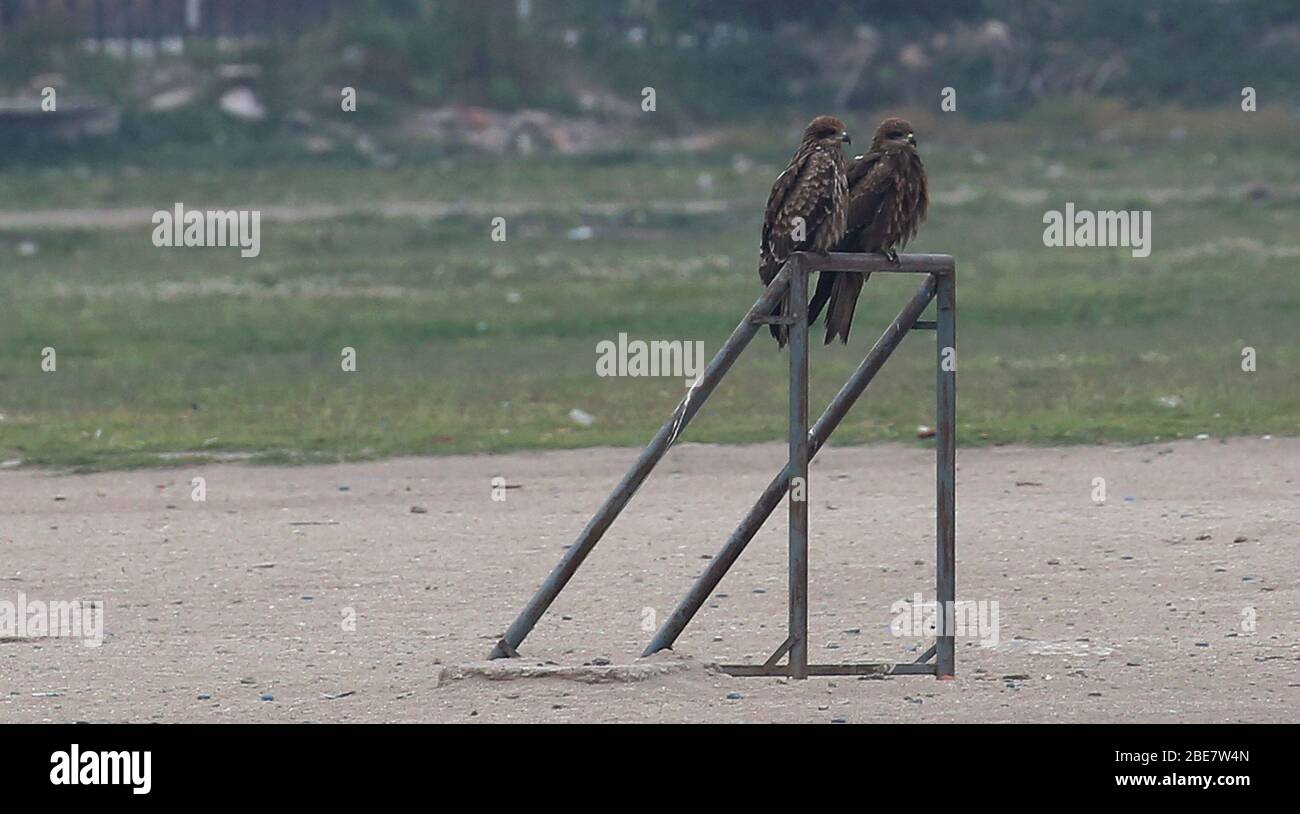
(466,345)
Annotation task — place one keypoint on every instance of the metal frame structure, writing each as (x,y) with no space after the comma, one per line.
(939,284)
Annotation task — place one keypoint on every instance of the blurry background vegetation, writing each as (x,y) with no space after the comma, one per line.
(764,60)
(376,223)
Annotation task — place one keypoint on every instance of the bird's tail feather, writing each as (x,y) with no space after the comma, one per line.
(843,299)
(781,332)
(825,284)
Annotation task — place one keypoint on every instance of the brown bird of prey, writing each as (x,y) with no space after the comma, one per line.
(805,210)
(887,203)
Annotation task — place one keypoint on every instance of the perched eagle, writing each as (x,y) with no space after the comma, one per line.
(887,202)
(805,210)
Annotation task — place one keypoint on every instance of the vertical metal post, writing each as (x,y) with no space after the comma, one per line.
(946,472)
(798,468)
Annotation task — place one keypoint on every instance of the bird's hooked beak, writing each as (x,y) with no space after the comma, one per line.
(846,138)
(911,139)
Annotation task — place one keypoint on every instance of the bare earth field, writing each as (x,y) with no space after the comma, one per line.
(1175,600)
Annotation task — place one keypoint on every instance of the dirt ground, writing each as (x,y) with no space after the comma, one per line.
(364,592)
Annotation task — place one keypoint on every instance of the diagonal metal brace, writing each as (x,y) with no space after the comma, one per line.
(771,497)
(658,446)
(779,652)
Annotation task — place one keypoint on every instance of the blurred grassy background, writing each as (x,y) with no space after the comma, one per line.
(469,345)
(379,240)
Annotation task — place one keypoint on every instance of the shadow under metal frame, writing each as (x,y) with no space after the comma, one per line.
(940,284)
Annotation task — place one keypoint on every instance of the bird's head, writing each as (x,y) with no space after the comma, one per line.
(827,129)
(894,133)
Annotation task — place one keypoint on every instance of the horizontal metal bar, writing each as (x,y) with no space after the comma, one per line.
(925,325)
(866,669)
(772,319)
(869,669)
(878,263)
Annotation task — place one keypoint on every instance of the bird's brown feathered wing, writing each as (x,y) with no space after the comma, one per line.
(812,187)
(887,202)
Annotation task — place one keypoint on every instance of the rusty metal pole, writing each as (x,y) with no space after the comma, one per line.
(668,433)
(798,469)
(946,474)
